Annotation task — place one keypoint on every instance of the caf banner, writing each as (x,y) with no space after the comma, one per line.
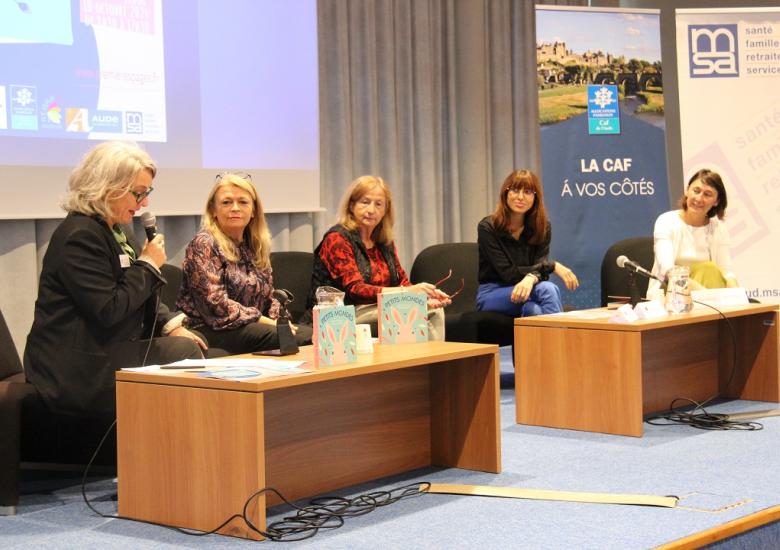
(728,66)
(601,111)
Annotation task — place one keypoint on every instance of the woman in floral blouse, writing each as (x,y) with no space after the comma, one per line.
(226,290)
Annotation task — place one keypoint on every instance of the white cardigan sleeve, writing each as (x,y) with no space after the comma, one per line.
(720,249)
(666,235)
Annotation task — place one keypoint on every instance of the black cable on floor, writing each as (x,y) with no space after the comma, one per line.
(704,420)
(328,512)
(320,513)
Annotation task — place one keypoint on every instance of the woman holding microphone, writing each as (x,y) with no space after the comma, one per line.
(98,307)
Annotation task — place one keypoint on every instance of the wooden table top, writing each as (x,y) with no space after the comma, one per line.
(384,358)
(598,318)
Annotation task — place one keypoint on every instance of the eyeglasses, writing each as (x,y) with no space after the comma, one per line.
(460,288)
(140,196)
(242,175)
(525,191)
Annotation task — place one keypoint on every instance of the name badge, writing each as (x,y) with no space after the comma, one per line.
(124,260)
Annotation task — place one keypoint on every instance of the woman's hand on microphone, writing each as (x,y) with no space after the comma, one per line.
(155,250)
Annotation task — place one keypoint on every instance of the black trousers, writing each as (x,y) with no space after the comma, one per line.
(158,351)
(135,353)
(249,338)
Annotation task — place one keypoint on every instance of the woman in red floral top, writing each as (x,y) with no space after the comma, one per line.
(358,255)
(227,281)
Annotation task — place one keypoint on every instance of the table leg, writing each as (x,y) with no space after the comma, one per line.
(465,417)
(190,457)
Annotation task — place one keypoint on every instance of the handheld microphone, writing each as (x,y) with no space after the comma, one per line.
(150,225)
(625,263)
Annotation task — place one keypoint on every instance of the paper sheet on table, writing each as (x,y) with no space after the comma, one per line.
(585,314)
(264,366)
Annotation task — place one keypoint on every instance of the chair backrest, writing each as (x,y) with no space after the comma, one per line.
(170,291)
(10,364)
(434,262)
(292,271)
(615,280)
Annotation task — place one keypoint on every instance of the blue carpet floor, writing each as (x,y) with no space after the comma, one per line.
(723,475)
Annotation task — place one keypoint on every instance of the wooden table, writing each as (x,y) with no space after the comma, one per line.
(579,371)
(191,450)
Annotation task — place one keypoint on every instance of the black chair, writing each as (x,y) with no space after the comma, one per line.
(292,271)
(463,323)
(615,280)
(170,292)
(13,392)
(31,433)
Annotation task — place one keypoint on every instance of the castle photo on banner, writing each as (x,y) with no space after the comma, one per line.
(599,186)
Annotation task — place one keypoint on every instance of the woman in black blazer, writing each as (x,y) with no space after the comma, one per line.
(98,307)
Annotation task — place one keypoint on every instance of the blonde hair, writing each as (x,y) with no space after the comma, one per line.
(256,233)
(106,172)
(383,232)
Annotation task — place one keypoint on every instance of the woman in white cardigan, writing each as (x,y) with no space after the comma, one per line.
(695,236)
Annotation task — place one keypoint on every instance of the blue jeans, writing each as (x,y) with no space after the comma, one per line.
(545,298)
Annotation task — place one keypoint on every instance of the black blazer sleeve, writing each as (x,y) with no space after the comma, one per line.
(88,271)
(88,307)
(163,313)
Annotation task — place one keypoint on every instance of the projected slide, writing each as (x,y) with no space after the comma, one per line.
(93,70)
(203,85)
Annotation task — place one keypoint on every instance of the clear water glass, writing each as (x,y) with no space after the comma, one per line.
(678,290)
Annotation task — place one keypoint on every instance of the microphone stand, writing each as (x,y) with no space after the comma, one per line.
(287,343)
(633,289)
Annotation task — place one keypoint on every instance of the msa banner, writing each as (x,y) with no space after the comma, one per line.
(601,109)
(728,65)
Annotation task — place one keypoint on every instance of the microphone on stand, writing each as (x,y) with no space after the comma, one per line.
(150,225)
(287,343)
(633,268)
(624,263)
(284,297)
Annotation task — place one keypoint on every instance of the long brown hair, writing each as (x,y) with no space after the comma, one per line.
(535,218)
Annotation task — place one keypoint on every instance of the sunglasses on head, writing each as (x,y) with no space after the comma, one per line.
(242,175)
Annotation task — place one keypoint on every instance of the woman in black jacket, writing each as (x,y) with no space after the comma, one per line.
(98,299)
(514,243)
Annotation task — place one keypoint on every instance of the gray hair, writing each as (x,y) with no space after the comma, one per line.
(106,172)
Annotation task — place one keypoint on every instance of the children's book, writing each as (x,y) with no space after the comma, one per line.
(334,335)
(403,317)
